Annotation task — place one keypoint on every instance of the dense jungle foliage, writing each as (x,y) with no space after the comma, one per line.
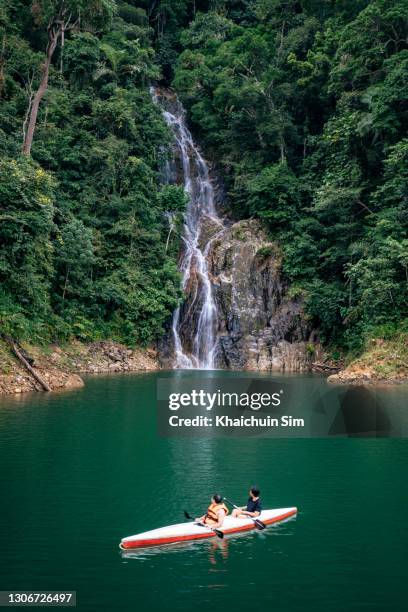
(302,104)
(83,222)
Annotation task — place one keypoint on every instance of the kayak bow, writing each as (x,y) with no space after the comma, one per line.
(184,532)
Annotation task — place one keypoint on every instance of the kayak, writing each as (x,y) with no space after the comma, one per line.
(184,532)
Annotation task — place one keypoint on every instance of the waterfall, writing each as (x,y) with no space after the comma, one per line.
(197,347)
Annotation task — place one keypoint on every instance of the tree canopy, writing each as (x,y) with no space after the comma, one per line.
(83,223)
(304,106)
(301,103)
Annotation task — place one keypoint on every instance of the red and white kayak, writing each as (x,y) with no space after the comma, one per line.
(183,532)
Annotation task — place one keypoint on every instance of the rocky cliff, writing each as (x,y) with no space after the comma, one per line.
(260,326)
(237,312)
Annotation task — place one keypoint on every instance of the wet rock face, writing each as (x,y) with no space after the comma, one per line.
(236,311)
(259,326)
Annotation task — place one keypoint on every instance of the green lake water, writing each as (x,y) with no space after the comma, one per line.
(81,470)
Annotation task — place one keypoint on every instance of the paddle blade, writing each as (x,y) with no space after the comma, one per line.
(186,514)
(260,525)
(219,533)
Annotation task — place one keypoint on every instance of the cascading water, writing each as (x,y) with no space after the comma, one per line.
(196,347)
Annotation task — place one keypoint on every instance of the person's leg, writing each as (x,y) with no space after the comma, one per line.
(237,513)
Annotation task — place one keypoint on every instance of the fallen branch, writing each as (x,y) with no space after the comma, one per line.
(25,363)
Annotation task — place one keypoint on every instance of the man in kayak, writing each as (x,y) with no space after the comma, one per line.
(216,513)
(253,507)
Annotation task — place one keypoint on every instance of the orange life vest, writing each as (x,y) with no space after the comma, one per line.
(212,512)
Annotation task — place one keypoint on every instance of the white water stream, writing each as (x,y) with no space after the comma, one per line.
(199,216)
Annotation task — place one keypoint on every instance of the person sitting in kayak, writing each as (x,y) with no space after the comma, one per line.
(216,513)
(253,507)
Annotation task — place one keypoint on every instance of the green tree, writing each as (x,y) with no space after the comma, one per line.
(27,195)
(59,17)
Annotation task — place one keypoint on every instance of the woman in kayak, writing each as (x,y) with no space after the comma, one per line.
(253,507)
(216,513)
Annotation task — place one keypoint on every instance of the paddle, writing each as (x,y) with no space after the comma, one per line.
(258,523)
(218,533)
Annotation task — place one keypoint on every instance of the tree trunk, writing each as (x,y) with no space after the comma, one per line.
(53,35)
(282,151)
(23,360)
(168,236)
(29,104)
(62,49)
(65,284)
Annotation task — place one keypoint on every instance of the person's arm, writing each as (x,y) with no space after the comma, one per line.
(221,517)
(254,514)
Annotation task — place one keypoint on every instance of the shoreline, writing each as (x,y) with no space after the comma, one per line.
(61,366)
(383,363)
(346,378)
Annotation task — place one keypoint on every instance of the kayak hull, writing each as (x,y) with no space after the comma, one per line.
(185,532)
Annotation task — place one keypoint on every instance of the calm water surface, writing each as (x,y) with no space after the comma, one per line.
(80,470)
